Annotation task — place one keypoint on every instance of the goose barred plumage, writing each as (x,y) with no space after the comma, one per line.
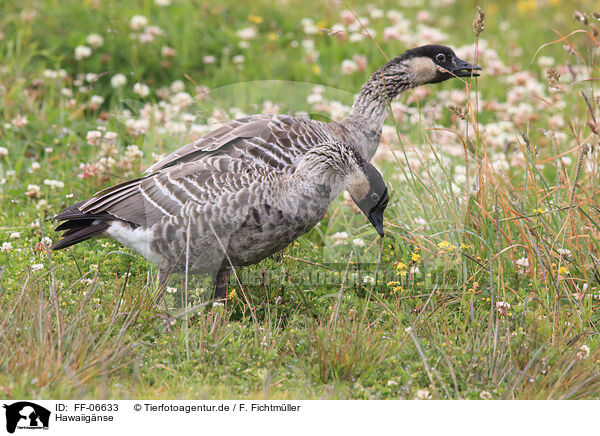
(240,175)
(208,215)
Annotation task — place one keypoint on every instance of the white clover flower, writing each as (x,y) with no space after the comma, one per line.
(189,118)
(3,152)
(349,66)
(93,137)
(369,279)
(167,51)
(339,237)
(177,86)
(35,166)
(95,40)
(209,59)
(33,191)
(50,74)
(46,241)
(308,26)
(37,267)
(376,13)
(6,247)
(118,80)
(246,33)
(20,121)
(545,61)
(133,152)
(356,37)
(523,264)
(82,52)
(182,99)
(54,184)
(66,92)
(15,235)
(141,89)
(163,3)
(238,59)
(96,101)
(138,21)
(170,290)
(485,395)
(154,30)
(423,394)
(91,77)
(146,38)
(502,306)
(111,136)
(584,352)
(358,242)
(564,252)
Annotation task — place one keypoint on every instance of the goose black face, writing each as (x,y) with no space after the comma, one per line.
(446,63)
(373,204)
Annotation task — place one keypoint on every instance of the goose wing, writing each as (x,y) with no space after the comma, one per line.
(273,140)
(147,200)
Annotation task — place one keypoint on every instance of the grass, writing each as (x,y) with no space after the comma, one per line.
(485,286)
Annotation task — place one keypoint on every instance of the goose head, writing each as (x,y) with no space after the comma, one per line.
(419,66)
(370,194)
(434,64)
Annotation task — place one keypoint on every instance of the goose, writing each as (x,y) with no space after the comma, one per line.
(210,215)
(280,141)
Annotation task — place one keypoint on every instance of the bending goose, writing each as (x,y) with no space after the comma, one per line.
(209,215)
(280,141)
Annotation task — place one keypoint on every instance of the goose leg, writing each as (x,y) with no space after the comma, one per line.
(220,283)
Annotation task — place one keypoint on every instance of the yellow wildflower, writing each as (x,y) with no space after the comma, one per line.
(401,266)
(526,5)
(415,257)
(316,70)
(256,19)
(232,293)
(273,36)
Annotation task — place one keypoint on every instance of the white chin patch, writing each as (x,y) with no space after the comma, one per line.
(137,239)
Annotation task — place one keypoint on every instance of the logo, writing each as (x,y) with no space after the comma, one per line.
(26,415)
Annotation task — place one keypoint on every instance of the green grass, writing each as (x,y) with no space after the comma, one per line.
(413,315)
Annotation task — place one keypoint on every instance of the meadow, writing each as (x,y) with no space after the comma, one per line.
(486,285)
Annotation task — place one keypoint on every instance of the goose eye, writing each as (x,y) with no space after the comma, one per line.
(440,57)
(375,196)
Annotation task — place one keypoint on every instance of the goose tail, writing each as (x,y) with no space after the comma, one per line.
(79,226)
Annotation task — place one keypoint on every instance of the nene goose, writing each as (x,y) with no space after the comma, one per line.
(211,214)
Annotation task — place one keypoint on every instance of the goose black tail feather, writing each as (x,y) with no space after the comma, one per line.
(79,226)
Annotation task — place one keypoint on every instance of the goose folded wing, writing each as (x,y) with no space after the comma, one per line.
(273,140)
(147,200)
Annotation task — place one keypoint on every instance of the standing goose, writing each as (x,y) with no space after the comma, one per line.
(280,141)
(211,214)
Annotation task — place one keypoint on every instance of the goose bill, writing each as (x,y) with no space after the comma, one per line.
(465,69)
(376,214)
